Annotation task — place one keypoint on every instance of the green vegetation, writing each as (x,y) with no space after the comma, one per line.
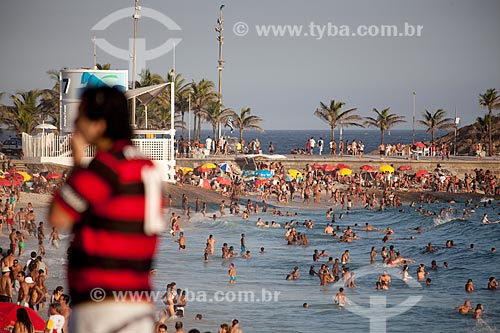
(384,121)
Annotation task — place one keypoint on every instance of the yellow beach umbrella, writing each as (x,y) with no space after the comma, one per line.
(345,172)
(187,169)
(295,173)
(25,175)
(209,166)
(386,168)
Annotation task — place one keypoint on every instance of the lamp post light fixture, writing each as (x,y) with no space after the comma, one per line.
(220,66)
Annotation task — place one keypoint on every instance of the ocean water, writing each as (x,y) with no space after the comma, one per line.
(277,303)
(284,141)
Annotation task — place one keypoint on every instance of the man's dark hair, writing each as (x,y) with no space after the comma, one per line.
(110,105)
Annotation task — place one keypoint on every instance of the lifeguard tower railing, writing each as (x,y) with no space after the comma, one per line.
(55,148)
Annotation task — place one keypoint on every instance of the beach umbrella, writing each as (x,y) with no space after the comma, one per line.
(386,168)
(2,174)
(345,172)
(226,167)
(288,178)
(8,317)
(367,168)
(187,170)
(53,176)
(329,167)
(295,173)
(263,174)
(204,183)
(4,182)
(206,167)
(343,166)
(260,182)
(317,166)
(404,168)
(420,145)
(223,180)
(422,173)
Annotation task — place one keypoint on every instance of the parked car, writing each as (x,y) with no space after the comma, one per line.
(12,147)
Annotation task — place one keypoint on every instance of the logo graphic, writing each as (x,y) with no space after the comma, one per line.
(378,312)
(142,54)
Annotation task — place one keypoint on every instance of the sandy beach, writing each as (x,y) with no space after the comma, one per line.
(228,227)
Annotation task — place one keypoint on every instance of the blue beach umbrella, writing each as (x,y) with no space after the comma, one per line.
(263,174)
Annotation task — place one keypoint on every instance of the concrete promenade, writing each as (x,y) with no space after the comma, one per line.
(457,165)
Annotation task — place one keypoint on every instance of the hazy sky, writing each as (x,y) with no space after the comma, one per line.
(283,79)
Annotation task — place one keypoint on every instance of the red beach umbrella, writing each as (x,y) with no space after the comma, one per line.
(4,182)
(223,180)
(367,168)
(8,317)
(422,173)
(317,166)
(343,166)
(329,167)
(53,176)
(420,145)
(260,182)
(404,168)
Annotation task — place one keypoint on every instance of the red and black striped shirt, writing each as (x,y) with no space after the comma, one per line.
(111,248)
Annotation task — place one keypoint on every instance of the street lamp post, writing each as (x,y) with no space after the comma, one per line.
(220,66)
(413,131)
(457,122)
(136,17)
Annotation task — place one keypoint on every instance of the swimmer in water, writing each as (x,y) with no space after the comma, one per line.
(464,309)
(340,299)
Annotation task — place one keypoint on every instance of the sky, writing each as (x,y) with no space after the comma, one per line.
(448,61)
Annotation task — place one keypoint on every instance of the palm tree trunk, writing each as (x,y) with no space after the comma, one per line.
(333,133)
(381,136)
(490,145)
(199,128)
(183,127)
(241,135)
(432,133)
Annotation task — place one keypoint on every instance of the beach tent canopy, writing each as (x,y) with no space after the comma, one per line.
(146,94)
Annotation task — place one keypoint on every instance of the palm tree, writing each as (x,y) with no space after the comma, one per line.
(102,67)
(244,121)
(24,114)
(482,126)
(49,102)
(384,121)
(202,94)
(334,116)
(436,121)
(215,115)
(182,92)
(491,100)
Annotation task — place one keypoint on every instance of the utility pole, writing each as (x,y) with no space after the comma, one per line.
(95,54)
(414,107)
(136,18)
(220,66)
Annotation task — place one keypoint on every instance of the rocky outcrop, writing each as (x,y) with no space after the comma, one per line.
(470,135)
